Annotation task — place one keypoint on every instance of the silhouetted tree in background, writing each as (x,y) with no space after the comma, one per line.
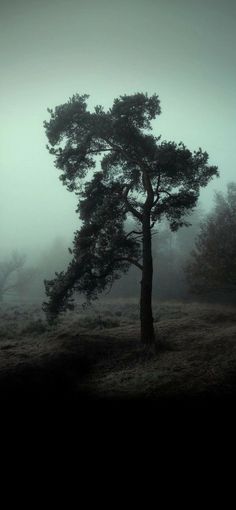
(140,177)
(171,251)
(213,262)
(14,277)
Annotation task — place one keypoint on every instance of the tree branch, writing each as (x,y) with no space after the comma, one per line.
(132,261)
(157,190)
(164,191)
(123,152)
(129,206)
(120,259)
(133,232)
(148,187)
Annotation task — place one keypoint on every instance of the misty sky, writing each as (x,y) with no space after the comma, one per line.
(183,50)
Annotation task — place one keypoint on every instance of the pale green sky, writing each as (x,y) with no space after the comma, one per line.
(183,50)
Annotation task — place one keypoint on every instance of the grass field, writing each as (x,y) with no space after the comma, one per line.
(96,353)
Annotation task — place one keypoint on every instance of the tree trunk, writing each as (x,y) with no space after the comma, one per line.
(147,330)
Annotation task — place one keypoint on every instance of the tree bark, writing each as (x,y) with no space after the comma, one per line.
(146,317)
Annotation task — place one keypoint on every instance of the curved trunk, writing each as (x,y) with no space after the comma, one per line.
(146,318)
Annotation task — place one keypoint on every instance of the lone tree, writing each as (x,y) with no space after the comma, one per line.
(212,265)
(140,177)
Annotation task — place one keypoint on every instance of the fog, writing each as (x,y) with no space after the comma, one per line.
(182,50)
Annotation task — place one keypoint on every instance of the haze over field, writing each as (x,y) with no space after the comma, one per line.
(181,49)
(163,268)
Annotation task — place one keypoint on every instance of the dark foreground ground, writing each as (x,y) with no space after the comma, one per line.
(94,356)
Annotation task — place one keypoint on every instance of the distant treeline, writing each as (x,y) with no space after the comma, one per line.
(198,262)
